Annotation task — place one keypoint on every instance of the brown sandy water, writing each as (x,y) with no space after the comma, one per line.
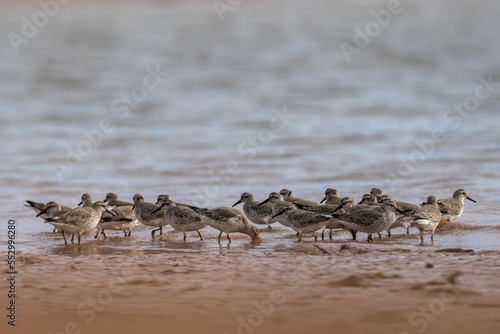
(260,101)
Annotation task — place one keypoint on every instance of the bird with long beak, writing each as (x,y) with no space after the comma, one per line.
(257,213)
(143,212)
(181,218)
(304,221)
(452,208)
(228,220)
(80,220)
(86,201)
(371,218)
(331,197)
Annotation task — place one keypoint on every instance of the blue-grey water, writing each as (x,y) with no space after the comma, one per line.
(158,97)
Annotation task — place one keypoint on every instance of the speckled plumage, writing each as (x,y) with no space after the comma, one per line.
(112,200)
(289,196)
(427,217)
(277,205)
(124,220)
(144,213)
(370,219)
(304,221)
(452,208)
(87,201)
(331,197)
(256,213)
(182,218)
(228,220)
(79,220)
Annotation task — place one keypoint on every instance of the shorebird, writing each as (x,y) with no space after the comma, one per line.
(452,208)
(427,218)
(112,200)
(124,219)
(39,207)
(227,220)
(370,219)
(331,197)
(162,198)
(289,196)
(402,220)
(377,193)
(53,209)
(277,205)
(181,218)
(79,220)
(304,221)
(258,214)
(42,212)
(143,213)
(87,201)
(368,199)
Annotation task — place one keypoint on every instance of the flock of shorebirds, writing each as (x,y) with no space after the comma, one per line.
(375,213)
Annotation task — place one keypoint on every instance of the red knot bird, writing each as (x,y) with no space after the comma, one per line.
(79,220)
(143,209)
(181,218)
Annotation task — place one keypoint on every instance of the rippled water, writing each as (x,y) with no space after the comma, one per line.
(81,111)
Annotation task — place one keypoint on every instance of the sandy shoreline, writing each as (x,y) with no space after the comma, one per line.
(355,287)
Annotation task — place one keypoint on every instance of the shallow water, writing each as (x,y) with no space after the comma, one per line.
(209,127)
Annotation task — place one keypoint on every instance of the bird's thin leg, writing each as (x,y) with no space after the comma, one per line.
(201,238)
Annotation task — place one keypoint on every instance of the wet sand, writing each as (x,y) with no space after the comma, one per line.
(324,286)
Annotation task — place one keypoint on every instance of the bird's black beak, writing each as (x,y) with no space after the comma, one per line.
(110,212)
(470,199)
(279,213)
(360,202)
(400,211)
(159,208)
(264,202)
(236,203)
(324,199)
(41,212)
(337,208)
(80,203)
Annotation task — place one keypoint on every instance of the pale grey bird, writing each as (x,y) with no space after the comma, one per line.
(112,200)
(289,196)
(143,212)
(331,197)
(427,218)
(258,214)
(124,220)
(304,221)
(79,220)
(277,205)
(228,220)
(181,218)
(370,219)
(452,208)
(87,201)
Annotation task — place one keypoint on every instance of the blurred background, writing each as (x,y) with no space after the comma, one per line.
(204,100)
